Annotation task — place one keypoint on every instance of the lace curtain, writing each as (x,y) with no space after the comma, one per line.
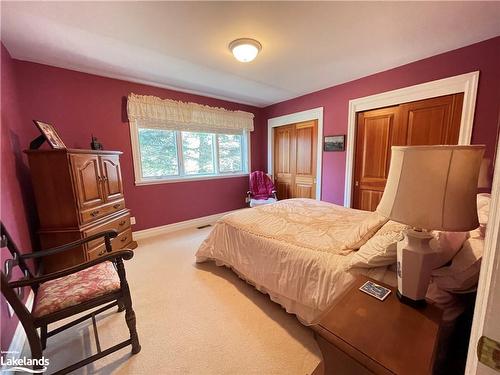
(153,112)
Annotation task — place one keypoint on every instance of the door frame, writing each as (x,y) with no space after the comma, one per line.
(489,277)
(466,83)
(292,118)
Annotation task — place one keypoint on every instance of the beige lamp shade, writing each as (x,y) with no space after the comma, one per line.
(433,187)
(484,181)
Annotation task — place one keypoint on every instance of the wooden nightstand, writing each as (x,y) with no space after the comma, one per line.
(362,335)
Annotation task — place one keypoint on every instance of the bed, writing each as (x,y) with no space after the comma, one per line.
(304,253)
(295,251)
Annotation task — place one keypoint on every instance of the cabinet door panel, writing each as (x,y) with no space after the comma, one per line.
(112,178)
(86,173)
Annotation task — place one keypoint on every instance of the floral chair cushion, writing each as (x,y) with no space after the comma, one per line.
(71,290)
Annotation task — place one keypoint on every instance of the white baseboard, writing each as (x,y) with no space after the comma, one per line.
(17,344)
(169,228)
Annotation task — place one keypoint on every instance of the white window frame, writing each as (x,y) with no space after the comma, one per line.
(136,157)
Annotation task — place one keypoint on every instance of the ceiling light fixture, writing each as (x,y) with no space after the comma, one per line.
(245,49)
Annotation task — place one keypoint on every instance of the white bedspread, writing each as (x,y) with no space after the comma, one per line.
(290,250)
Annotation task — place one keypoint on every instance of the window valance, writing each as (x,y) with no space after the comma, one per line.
(154,112)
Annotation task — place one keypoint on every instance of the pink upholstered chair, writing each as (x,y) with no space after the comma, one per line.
(95,286)
(262,189)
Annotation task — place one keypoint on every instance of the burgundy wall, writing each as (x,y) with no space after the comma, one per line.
(15,201)
(81,104)
(484,56)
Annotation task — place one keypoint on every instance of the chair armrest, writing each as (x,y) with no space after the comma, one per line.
(125,254)
(249,193)
(59,249)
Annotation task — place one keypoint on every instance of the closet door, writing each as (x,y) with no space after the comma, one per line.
(295,153)
(284,156)
(376,132)
(305,160)
(433,121)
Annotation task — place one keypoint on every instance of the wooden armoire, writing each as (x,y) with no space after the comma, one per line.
(78,193)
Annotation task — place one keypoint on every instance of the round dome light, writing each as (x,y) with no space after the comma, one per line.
(245,49)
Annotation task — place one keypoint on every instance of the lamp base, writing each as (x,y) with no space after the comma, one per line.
(408,301)
(415,260)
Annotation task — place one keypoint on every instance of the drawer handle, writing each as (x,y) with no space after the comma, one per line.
(116,205)
(124,239)
(121,223)
(102,252)
(94,213)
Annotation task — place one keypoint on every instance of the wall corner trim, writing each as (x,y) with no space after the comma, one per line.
(174,227)
(466,83)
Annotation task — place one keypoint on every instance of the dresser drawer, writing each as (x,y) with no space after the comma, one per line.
(121,241)
(95,213)
(119,224)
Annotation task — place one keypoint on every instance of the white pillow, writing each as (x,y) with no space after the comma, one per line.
(381,249)
(462,274)
(448,244)
(483,210)
(363,231)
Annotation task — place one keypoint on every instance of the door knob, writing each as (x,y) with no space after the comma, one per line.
(488,352)
(356,183)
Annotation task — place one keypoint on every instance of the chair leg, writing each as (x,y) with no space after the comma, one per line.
(43,336)
(35,344)
(131,323)
(129,311)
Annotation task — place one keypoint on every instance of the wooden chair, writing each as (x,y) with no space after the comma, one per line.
(99,283)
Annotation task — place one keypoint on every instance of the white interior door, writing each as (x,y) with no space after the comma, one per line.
(487,311)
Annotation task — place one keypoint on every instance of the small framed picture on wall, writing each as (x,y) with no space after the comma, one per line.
(334,143)
(50,134)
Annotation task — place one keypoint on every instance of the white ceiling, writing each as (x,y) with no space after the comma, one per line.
(307,46)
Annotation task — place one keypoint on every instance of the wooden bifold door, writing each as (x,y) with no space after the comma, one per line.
(295,153)
(433,121)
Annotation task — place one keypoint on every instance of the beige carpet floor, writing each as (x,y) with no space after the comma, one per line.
(191,319)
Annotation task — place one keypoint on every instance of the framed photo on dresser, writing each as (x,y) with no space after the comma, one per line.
(50,134)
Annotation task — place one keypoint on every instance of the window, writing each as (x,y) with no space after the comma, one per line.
(173,155)
(158,153)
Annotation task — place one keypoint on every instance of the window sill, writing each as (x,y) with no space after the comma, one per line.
(187,179)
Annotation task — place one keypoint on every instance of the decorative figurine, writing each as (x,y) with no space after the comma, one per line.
(95,144)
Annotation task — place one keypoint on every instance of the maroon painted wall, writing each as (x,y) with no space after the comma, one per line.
(81,104)
(15,199)
(484,56)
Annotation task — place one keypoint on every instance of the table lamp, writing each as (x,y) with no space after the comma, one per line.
(428,188)
(484,180)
